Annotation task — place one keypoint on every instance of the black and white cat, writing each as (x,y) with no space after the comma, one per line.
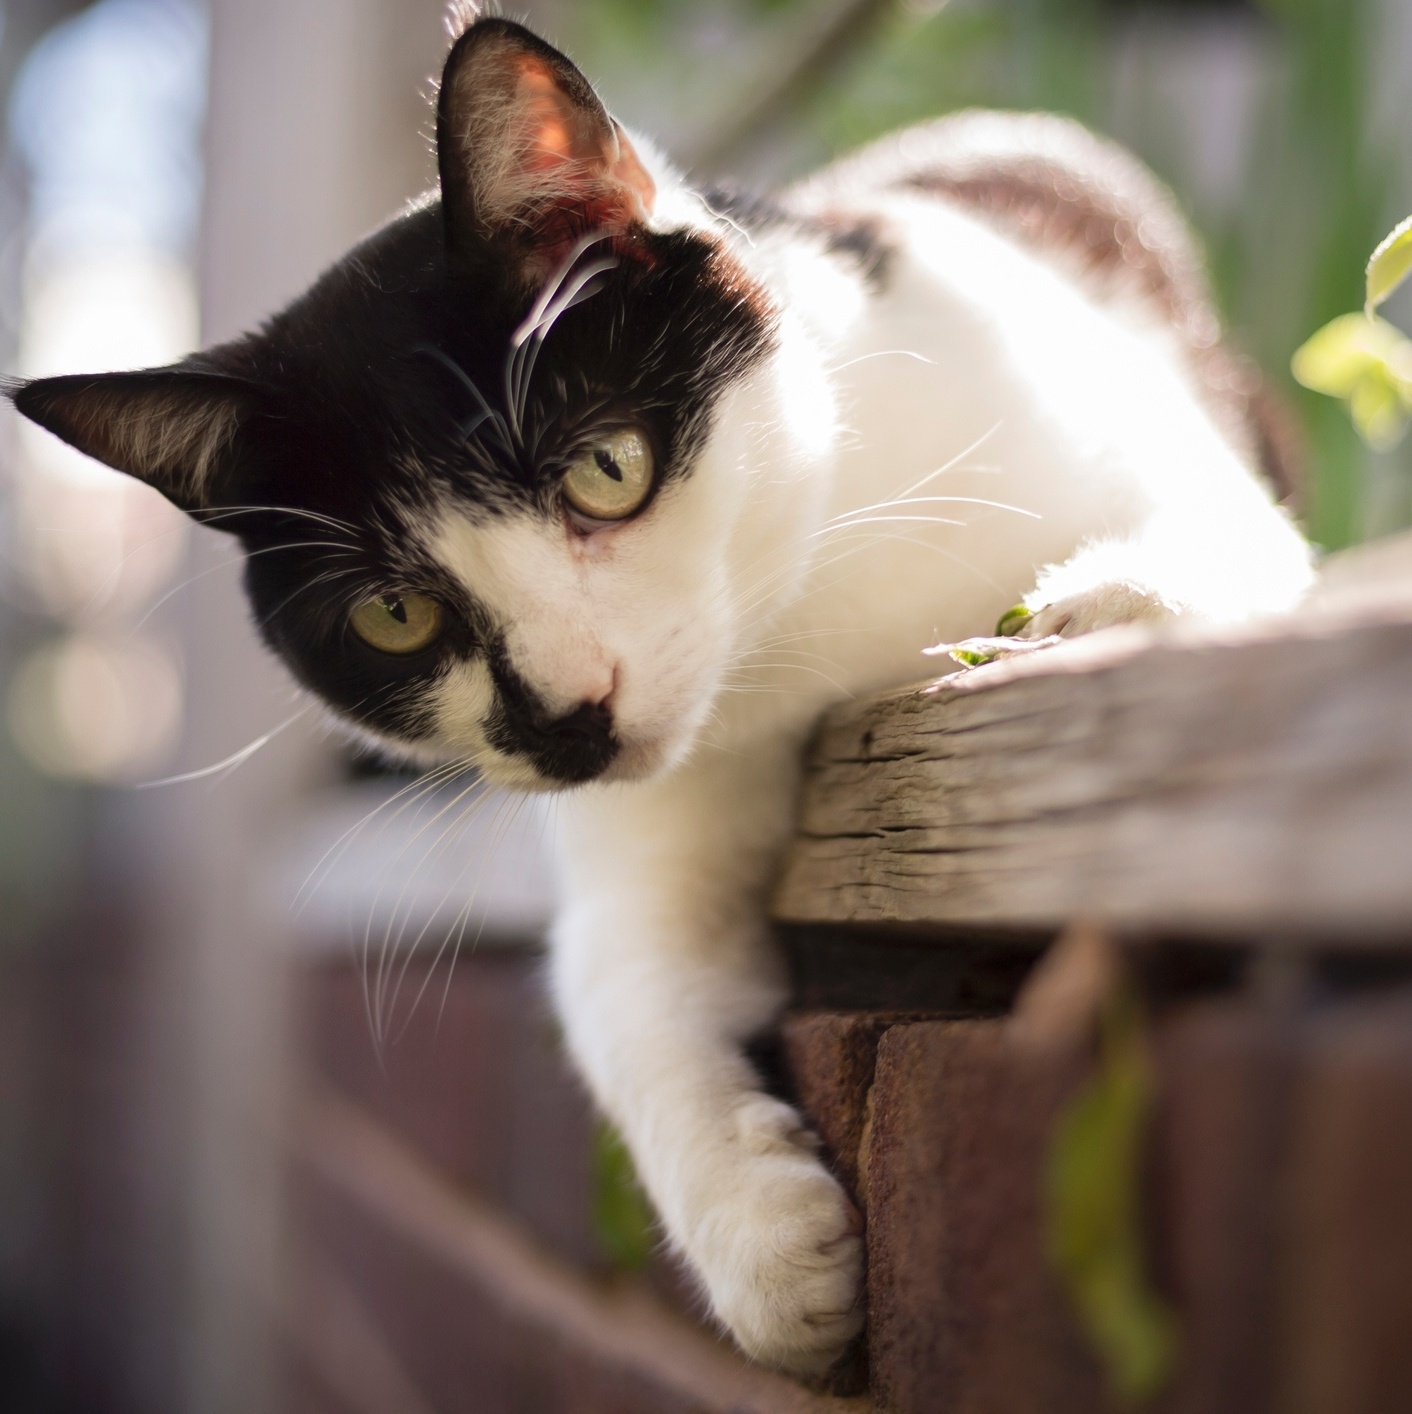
(579,476)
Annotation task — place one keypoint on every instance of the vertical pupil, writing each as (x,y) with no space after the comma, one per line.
(607,465)
(395,607)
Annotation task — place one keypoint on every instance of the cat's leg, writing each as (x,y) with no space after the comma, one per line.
(662,970)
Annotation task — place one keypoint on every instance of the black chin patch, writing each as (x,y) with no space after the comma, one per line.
(571,749)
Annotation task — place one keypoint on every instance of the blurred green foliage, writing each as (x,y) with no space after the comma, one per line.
(1313,187)
(1093,1211)
(1368,363)
(1388,266)
(1363,359)
(622,1219)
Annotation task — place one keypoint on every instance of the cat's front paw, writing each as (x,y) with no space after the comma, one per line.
(1022,630)
(1103,606)
(780,1248)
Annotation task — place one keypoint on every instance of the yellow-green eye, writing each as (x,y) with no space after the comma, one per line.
(611,479)
(398,623)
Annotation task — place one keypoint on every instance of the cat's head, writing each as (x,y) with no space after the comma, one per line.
(477,468)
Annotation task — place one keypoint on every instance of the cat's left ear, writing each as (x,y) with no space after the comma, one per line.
(528,155)
(174,428)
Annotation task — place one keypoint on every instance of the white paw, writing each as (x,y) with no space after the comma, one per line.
(1100,607)
(779,1246)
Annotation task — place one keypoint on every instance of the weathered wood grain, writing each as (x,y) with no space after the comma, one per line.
(1253,783)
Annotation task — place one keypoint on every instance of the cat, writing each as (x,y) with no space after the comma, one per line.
(607,486)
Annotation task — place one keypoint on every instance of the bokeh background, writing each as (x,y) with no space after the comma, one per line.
(177,830)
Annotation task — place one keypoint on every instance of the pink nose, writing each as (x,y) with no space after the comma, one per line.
(605,698)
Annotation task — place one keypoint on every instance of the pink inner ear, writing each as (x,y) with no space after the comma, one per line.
(558,131)
(629,171)
(579,158)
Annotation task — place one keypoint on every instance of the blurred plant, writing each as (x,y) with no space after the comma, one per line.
(1093,1202)
(831,49)
(1363,359)
(1317,189)
(622,1219)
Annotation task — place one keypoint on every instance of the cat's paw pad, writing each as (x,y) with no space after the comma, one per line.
(781,1250)
(1103,606)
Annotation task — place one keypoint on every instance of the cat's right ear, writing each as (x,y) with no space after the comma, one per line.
(174,428)
(528,156)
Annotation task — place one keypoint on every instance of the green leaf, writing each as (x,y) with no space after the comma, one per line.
(969,657)
(1093,1211)
(1390,264)
(1336,358)
(622,1219)
(1368,363)
(1378,412)
(1012,621)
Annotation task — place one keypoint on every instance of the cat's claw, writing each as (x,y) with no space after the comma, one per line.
(781,1250)
(1103,606)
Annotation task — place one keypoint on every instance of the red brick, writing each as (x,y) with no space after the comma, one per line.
(1226,1069)
(964,1312)
(1347,1308)
(830,1056)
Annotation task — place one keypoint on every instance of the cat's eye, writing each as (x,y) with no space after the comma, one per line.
(398,623)
(611,479)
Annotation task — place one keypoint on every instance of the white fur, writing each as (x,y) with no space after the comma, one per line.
(760,589)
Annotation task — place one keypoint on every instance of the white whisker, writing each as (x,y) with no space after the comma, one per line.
(414,790)
(850,516)
(467,382)
(387,939)
(555,283)
(212,513)
(237,758)
(883,353)
(949,465)
(883,520)
(331,546)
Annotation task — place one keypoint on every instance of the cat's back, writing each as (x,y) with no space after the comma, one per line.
(1084,203)
(1085,206)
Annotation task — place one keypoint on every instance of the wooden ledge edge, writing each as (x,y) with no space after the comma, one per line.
(1321,620)
(1233,784)
(353,1153)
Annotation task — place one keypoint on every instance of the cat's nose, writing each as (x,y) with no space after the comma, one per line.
(578,746)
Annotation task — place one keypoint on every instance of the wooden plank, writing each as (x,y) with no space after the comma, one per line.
(1255,782)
